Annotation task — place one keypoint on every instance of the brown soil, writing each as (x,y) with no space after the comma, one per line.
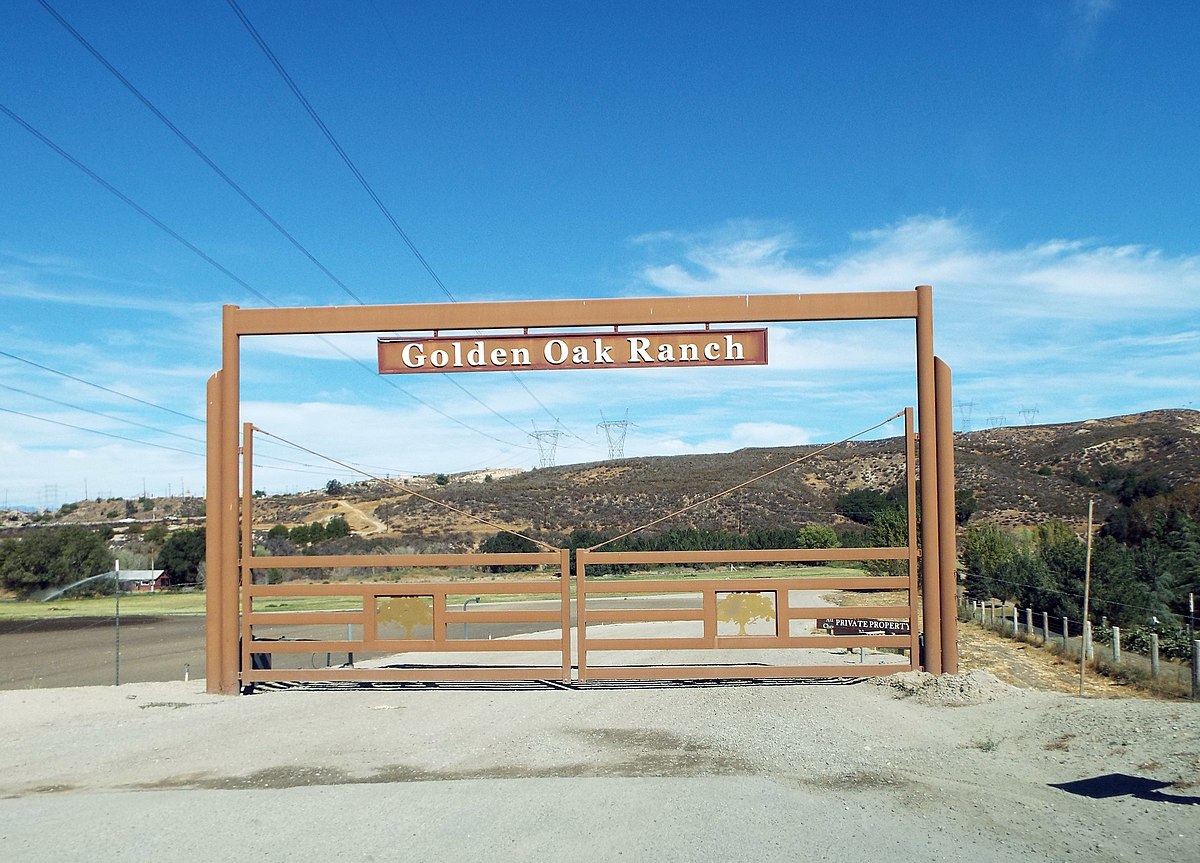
(1016,663)
(1030,667)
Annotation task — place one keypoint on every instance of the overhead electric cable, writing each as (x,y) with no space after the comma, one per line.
(191,145)
(99,386)
(408,489)
(316,118)
(750,481)
(369,189)
(245,196)
(125,396)
(100,414)
(97,431)
(136,207)
(224,270)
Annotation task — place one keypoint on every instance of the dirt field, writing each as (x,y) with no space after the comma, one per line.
(914,767)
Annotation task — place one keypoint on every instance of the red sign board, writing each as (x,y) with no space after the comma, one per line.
(617,350)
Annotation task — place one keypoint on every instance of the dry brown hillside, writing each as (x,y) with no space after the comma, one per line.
(1018,475)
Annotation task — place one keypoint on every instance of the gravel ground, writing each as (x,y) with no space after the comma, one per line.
(905,767)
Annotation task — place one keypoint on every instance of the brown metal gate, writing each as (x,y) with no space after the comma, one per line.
(736,601)
(238,609)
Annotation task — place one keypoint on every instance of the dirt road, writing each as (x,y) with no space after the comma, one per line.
(925,769)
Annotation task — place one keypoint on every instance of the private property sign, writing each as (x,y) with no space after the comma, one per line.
(616,350)
(862,626)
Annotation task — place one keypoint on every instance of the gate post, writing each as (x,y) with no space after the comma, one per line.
(215,641)
(947,545)
(931,606)
(565,607)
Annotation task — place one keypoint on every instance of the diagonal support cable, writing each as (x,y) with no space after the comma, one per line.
(404,488)
(741,485)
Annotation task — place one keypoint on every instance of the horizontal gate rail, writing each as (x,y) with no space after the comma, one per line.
(709,589)
(440,616)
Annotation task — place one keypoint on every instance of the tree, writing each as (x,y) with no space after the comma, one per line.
(862,504)
(334,487)
(181,555)
(337,527)
(964,505)
(817,536)
(888,529)
(506,542)
(442,479)
(54,557)
(985,550)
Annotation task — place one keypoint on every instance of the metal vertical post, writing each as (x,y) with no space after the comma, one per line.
(564,570)
(910,462)
(931,606)
(947,540)
(246,541)
(228,673)
(117,628)
(581,613)
(214,581)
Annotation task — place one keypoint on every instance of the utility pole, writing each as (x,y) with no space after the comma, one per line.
(614,431)
(964,415)
(547,444)
(1087,587)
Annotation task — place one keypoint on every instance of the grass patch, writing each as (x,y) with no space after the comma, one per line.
(168,603)
(132,605)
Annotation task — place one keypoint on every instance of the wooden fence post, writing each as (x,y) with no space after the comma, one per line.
(1154,655)
(1116,630)
(1087,641)
(1016,629)
(1045,627)
(1029,621)
(1064,631)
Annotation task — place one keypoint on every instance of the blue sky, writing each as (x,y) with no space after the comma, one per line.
(1034,162)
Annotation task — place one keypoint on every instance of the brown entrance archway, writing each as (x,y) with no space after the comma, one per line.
(230,503)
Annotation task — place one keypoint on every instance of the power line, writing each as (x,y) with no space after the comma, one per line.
(316,118)
(97,431)
(226,272)
(99,386)
(121,395)
(369,189)
(191,145)
(245,196)
(100,414)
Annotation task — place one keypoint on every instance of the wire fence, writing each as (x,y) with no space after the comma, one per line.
(1141,660)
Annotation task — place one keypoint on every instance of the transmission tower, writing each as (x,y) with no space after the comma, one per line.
(996,420)
(615,431)
(547,444)
(1029,414)
(964,415)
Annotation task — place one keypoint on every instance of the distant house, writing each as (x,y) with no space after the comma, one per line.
(141,580)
